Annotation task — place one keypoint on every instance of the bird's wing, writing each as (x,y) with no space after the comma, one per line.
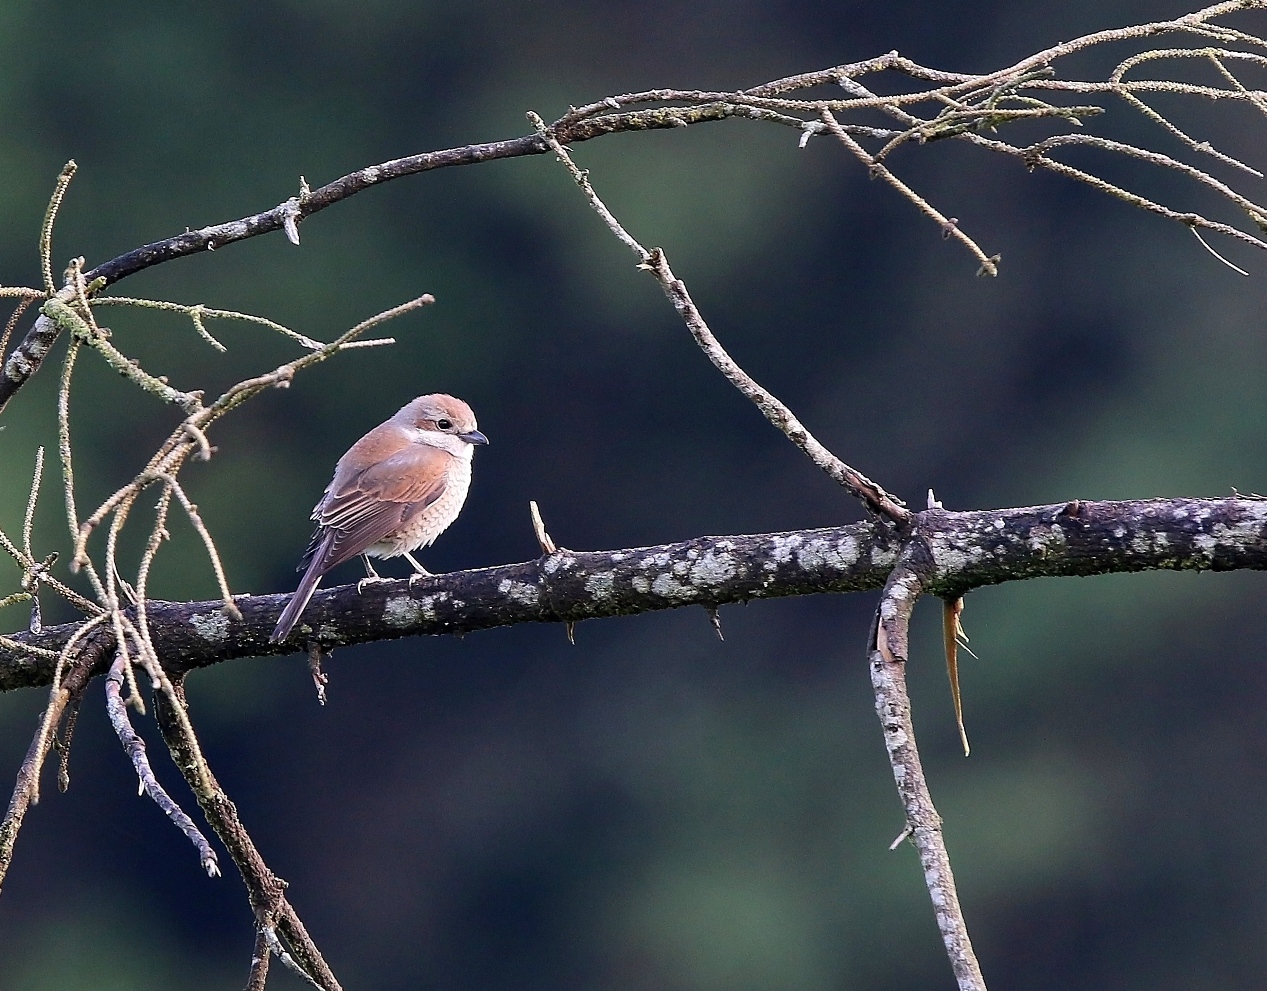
(362,507)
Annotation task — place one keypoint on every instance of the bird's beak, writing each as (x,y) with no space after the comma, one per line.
(473,437)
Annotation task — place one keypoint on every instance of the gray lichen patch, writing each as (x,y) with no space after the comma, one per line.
(655,561)
(403,611)
(784,547)
(211,626)
(820,552)
(520,592)
(1150,543)
(1044,539)
(950,557)
(601,584)
(556,561)
(713,569)
(668,587)
(883,557)
(1248,528)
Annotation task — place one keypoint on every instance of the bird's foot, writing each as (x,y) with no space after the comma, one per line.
(369,580)
(419,570)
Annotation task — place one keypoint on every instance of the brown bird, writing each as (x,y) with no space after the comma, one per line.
(396,490)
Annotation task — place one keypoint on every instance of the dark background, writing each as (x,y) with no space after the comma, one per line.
(651,809)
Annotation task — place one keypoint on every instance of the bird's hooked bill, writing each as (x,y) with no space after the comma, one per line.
(474,437)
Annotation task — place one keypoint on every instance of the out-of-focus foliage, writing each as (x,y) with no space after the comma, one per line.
(652,808)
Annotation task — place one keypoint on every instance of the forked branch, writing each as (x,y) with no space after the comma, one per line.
(909,554)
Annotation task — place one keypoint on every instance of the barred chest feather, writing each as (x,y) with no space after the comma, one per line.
(433,520)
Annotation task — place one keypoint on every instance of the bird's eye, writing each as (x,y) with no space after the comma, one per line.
(444,424)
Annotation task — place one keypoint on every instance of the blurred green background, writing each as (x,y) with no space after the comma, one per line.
(651,809)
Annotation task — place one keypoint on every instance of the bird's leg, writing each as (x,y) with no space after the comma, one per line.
(371,576)
(419,570)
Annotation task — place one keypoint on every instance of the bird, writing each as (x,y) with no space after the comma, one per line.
(395,491)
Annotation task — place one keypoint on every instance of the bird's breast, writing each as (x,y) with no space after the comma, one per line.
(427,525)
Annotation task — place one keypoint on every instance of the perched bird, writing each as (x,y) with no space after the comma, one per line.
(396,490)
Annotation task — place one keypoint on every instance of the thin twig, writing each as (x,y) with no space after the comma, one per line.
(28,648)
(135,748)
(28,519)
(63,742)
(26,788)
(46,229)
(319,678)
(191,511)
(279,951)
(871,494)
(989,264)
(197,312)
(544,541)
(79,559)
(23,305)
(1205,244)
(57,698)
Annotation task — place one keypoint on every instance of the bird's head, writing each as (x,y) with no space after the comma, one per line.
(443,417)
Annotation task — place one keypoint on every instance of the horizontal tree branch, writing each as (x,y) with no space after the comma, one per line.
(964,551)
(765,102)
(27,357)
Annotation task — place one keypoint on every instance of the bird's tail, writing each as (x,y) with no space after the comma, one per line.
(295,607)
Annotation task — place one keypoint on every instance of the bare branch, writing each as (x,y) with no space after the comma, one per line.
(871,494)
(135,748)
(888,653)
(989,265)
(974,96)
(969,550)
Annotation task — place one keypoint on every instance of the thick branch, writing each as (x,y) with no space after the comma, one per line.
(967,550)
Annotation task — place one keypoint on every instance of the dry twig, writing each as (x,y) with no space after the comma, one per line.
(135,748)
(871,494)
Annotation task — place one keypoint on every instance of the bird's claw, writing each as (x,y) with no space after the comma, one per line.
(369,580)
